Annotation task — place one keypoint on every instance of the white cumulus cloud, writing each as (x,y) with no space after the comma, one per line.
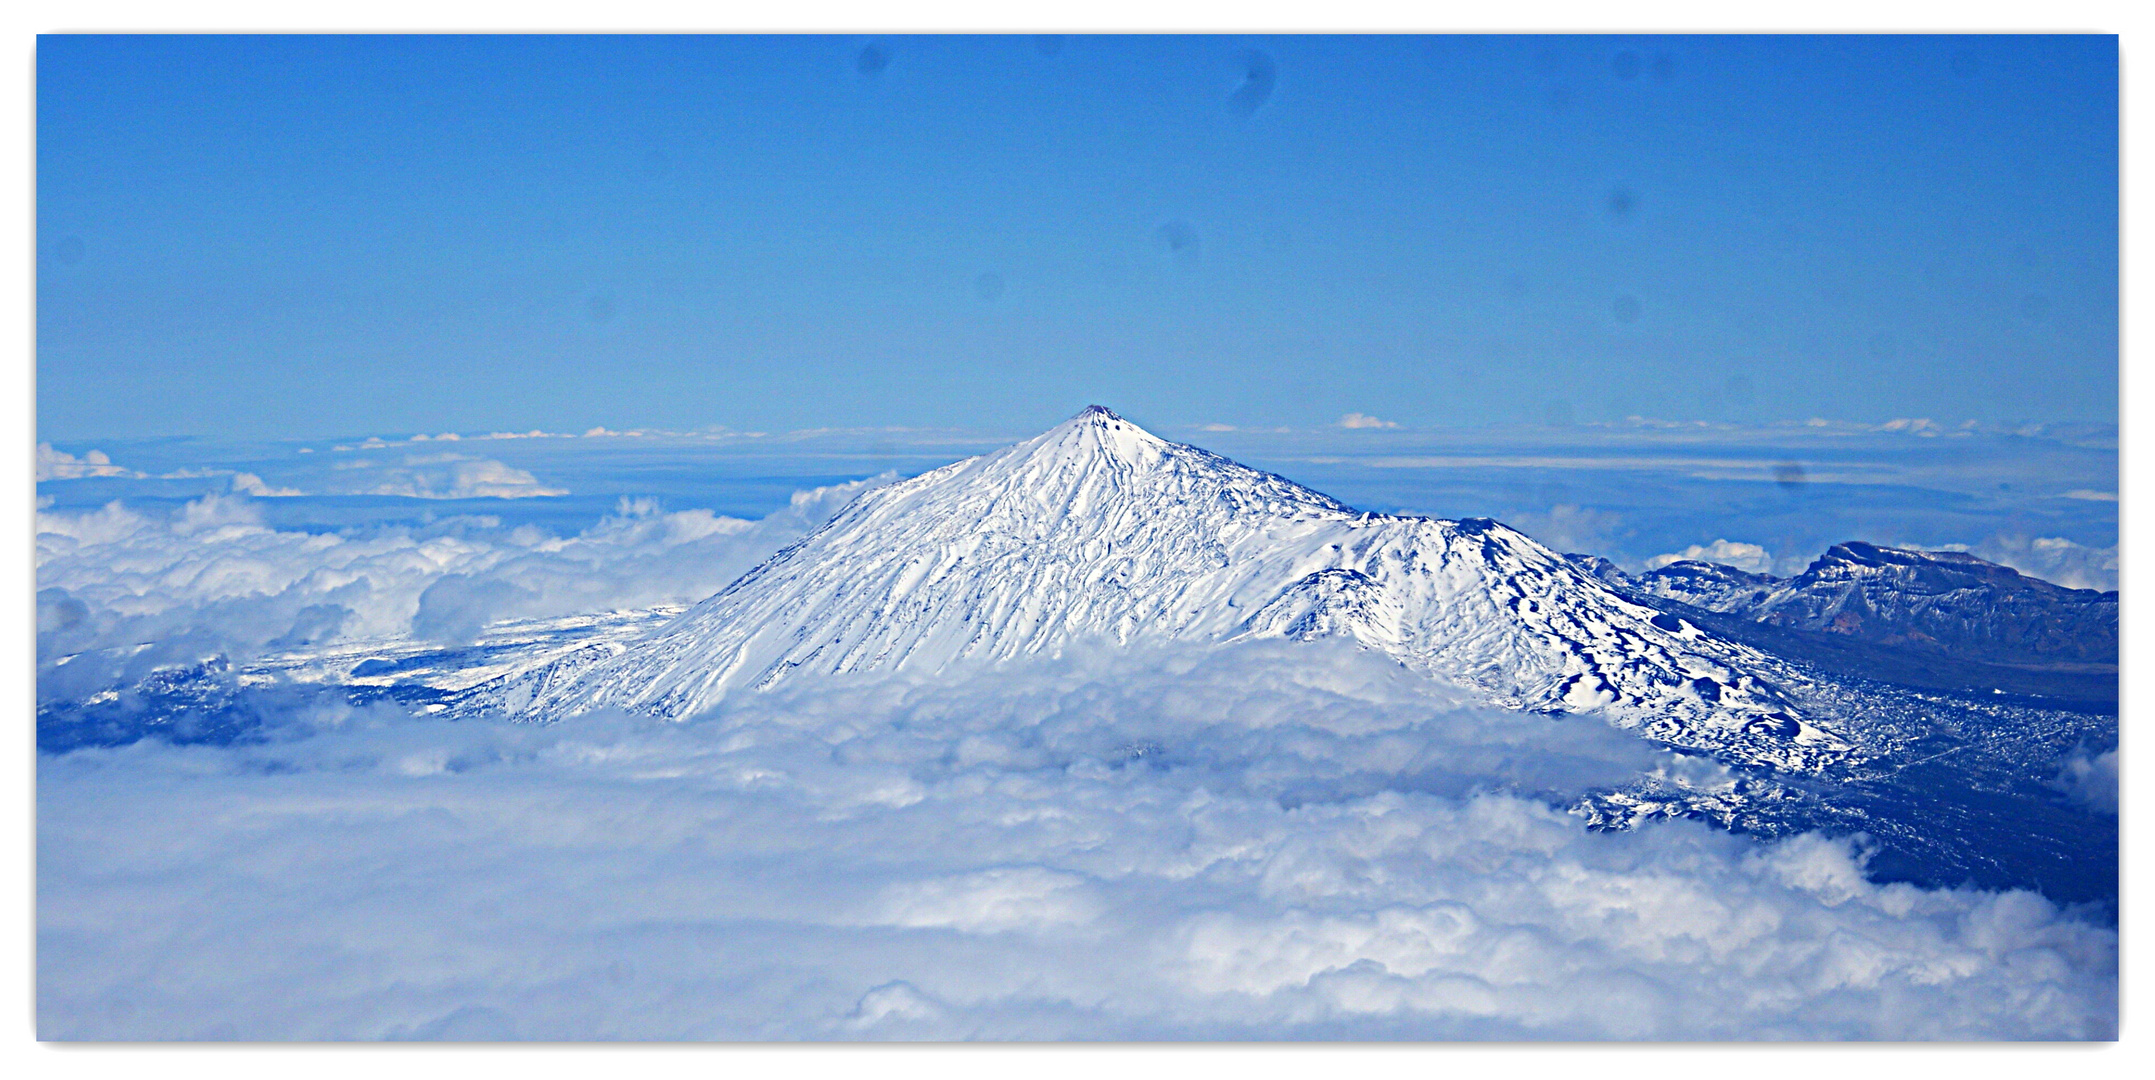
(1747,557)
(249,484)
(2054,559)
(2091,779)
(444,476)
(60,465)
(1359,420)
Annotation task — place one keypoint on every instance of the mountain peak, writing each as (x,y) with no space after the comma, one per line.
(1096,432)
(1100,418)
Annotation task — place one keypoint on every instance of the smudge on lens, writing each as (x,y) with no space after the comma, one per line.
(872,60)
(1177,238)
(1257,80)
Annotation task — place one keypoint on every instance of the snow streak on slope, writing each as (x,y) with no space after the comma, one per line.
(1098,530)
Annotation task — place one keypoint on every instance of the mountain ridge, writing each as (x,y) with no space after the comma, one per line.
(1934,600)
(1933,620)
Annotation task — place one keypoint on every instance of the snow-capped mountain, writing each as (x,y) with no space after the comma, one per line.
(1931,600)
(1098,531)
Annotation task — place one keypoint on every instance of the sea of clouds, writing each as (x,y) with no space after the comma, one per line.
(1276,840)
(211,578)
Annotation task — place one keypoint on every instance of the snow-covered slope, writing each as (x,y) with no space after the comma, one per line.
(1098,531)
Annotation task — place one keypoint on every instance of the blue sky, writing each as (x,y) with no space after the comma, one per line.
(300,236)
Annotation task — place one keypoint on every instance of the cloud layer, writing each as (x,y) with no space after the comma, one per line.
(211,578)
(1279,841)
